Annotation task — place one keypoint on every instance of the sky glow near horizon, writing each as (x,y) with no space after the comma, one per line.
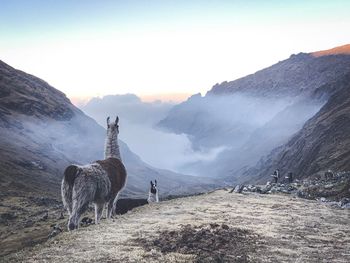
(155,48)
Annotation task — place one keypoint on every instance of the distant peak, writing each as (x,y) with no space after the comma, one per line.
(345,49)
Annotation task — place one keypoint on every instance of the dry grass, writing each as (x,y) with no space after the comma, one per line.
(21,222)
(291,230)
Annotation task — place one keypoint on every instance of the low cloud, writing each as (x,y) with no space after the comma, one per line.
(204,134)
(137,128)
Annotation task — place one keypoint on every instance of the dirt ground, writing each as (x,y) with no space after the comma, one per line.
(26,221)
(215,227)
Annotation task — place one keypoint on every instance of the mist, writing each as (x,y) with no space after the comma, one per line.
(138,129)
(204,134)
(245,127)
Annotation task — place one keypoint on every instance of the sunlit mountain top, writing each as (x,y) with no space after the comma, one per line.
(345,49)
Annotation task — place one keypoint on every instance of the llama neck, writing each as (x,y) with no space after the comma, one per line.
(112,146)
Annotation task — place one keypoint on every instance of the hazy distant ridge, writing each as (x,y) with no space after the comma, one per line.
(261,111)
(42,132)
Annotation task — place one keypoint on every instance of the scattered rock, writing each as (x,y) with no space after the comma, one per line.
(212,225)
(56,230)
(86,221)
(38,165)
(6,217)
(344,203)
(239,188)
(29,223)
(45,217)
(332,190)
(57,227)
(328,186)
(226,227)
(61,216)
(44,201)
(323,199)
(266,189)
(346,206)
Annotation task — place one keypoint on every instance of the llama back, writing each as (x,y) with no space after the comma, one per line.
(70,173)
(116,172)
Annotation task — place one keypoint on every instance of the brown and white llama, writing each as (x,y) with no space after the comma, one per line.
(99,182)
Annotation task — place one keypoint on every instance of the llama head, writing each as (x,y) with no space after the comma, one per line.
(113,127)
(153,189)
(73,223)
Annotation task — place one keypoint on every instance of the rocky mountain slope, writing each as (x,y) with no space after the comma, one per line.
(323,143)
(41,132)
(253,115)
(215,227)
(300,74)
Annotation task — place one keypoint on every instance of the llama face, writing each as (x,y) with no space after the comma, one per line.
(153,189)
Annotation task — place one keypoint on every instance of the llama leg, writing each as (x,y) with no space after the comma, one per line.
(107,209)
(110,210)
(114,205)
(98,212)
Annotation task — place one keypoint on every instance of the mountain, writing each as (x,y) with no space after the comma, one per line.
(42,132)
(341,50)
(251,116)
(323,143)
(298,75)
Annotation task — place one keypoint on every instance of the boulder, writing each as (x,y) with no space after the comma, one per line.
(239,188)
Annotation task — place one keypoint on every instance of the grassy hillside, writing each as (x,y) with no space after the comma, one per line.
(215,227)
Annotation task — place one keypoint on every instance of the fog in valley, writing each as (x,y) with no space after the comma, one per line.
(138,129)
(204,135)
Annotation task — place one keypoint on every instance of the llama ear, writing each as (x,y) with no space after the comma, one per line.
(151,183)
(108,121)
(155,182)
(116,120)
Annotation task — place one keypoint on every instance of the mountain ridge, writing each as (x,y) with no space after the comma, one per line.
(344,49)
(41,128)
(298,80)
(309,72)
(322,144)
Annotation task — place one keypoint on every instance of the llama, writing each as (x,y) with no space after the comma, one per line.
(99,182)
(153,193)
(127,204)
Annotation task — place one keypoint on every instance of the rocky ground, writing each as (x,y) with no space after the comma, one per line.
(27,220)
(335,189)
(215,227)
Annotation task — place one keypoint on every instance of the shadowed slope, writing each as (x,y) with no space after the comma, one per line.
(323,143)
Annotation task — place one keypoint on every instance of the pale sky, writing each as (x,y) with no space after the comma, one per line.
(161,49)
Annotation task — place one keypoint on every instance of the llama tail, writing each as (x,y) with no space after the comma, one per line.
(71,172)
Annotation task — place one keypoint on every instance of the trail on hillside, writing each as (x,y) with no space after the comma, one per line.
(266,228)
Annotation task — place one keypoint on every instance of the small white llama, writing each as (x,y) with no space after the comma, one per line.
(153,193)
